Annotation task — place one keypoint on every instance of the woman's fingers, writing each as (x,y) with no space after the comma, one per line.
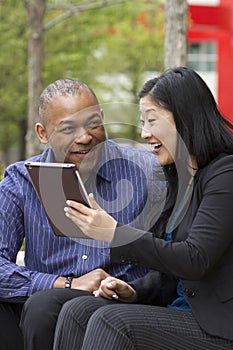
(94,204)
(95,223)
(78,206)
(113,288)
(106,289)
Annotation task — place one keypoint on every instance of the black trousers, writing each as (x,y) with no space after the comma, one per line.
(10,334)
(88,323)
(40,313)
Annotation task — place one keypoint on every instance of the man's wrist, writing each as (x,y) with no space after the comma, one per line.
(68,281)
(60,282)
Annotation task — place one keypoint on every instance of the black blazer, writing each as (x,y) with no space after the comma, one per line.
(200,255)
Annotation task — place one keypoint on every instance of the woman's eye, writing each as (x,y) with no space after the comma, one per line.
(151,120)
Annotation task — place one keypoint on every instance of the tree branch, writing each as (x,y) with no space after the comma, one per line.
(72,9)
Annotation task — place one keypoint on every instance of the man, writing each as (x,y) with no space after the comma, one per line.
(57,268)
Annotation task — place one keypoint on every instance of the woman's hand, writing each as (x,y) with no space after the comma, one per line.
(94,222)
(113,288)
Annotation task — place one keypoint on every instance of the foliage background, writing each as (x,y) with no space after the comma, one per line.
(98,46)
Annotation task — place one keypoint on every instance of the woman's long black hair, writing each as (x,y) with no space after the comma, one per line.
(201,126)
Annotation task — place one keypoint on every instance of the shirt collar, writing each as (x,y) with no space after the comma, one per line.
(100,169)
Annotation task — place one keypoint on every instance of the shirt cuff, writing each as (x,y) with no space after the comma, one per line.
(42,281)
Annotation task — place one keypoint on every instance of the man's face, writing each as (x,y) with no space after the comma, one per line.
(74,129)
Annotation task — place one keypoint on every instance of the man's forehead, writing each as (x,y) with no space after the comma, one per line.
(82,116)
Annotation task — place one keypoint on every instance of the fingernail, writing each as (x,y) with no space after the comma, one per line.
(65,209)
(114,296)
(68,202)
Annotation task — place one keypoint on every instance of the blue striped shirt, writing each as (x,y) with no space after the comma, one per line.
(126,182)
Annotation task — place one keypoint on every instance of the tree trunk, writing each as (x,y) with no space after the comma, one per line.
(176,33)
(35,11)
(22,138)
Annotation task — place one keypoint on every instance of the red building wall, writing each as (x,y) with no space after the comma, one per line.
(216,23)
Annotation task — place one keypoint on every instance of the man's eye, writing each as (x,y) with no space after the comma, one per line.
(67,130)
(94,124)
(151,120)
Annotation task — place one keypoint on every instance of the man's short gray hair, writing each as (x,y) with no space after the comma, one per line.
(61,87)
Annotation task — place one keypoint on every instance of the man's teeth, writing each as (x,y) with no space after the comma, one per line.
(82,152)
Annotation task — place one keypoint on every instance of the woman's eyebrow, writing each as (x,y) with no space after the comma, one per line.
(148,110)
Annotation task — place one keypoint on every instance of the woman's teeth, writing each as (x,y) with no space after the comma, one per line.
(156,145)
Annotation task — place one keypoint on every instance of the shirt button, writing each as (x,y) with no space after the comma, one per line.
(84,257)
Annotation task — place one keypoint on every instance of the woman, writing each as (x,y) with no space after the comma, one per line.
(190,251)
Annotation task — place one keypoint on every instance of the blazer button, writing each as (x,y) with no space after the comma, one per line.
(190,292)
(122,259)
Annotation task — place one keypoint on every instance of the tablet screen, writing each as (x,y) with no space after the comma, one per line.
(54,183)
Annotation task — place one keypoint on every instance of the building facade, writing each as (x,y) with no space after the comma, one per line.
(210,38)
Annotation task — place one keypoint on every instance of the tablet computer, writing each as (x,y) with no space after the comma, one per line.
(54,183)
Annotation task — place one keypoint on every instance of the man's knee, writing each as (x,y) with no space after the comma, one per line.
(43,307)
(40,308)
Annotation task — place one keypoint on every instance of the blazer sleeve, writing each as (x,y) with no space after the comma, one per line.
(205,237)
(155,288)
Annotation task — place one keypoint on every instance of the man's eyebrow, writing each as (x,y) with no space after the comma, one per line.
(94,115)
(66,122)
(72,122)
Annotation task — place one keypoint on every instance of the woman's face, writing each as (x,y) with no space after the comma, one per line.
(159,129)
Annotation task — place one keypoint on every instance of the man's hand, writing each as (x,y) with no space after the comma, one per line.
(90,281)
(113,288)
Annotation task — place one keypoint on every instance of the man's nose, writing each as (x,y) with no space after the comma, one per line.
(82,136)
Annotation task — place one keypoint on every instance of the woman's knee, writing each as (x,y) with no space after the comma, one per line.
(109,316)
(80,309)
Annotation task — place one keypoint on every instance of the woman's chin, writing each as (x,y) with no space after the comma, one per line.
(164,161)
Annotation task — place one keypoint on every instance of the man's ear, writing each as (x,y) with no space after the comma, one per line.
(41,133)
(102,114)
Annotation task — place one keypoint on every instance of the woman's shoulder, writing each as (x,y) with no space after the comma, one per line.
(219,165)
(222,161)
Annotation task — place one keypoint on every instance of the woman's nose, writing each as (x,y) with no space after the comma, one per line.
(145,133)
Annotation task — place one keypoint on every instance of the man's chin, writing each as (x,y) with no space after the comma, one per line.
(81,162)
(73,160)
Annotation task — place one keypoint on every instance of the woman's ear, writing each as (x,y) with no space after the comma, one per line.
(41,133)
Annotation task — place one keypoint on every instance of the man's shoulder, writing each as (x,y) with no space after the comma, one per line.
(19,167)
